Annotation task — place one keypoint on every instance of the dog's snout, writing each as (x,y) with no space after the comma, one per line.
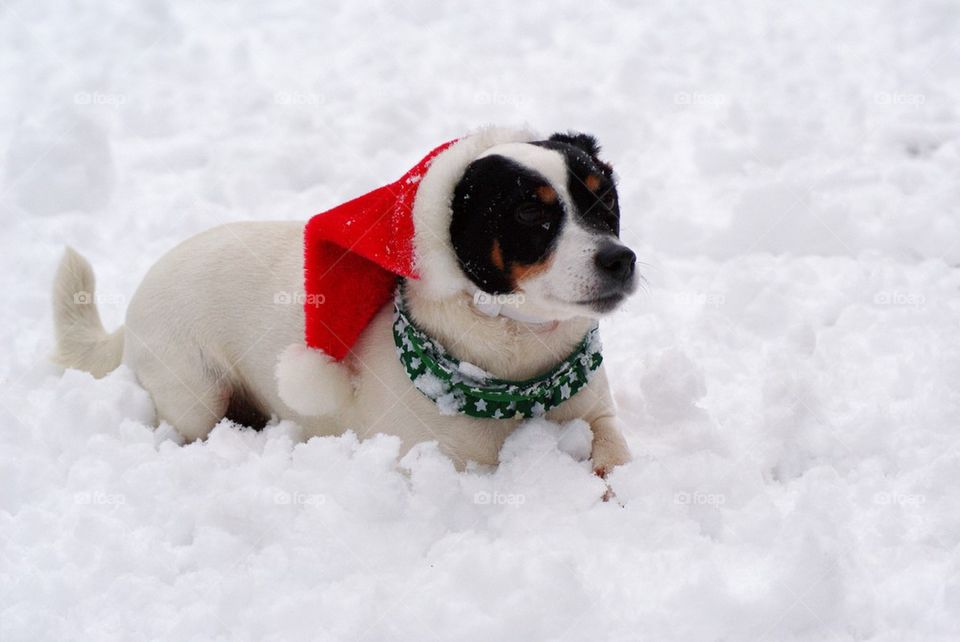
(616,261)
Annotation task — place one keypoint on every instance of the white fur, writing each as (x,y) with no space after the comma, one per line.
(81,340)
(571,277)
(311,382)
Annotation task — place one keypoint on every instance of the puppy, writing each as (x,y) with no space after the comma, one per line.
(504,248)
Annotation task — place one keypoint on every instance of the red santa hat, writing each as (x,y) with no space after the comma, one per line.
(353,254)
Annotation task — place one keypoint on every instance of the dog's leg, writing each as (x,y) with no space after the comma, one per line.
(192,407)
(594,404)
(609,447)
(188,393)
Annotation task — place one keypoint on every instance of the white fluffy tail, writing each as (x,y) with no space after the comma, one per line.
(82,342)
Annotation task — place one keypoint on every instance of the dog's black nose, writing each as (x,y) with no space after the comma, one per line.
(616,261)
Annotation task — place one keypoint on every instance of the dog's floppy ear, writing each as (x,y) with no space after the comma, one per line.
(586,142)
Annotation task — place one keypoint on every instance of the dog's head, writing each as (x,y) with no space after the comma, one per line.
(541,220)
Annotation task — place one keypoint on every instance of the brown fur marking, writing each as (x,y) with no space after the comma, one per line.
(547,194)
(520,271)
(496,255)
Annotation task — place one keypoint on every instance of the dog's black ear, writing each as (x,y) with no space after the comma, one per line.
(586,142)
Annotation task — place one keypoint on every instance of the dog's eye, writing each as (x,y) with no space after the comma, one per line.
(609,200)
(533,214)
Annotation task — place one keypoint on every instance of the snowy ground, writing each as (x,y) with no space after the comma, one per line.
(789,175)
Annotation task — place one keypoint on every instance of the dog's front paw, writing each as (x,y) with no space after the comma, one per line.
(607,458)
(609,447)
(607,455)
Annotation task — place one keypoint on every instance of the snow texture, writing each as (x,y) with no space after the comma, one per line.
(788,380)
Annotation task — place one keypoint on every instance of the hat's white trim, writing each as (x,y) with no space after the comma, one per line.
(436,260)
(311,383)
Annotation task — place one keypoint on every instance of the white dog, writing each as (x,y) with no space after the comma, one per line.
(507,251)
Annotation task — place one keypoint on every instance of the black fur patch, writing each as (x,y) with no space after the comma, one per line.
(586,142)
(499,222)
(244,411)
(597,209)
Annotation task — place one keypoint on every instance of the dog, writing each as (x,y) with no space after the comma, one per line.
(514,255)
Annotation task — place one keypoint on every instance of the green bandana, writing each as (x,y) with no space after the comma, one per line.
(459,387)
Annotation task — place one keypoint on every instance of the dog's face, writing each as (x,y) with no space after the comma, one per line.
(542,220)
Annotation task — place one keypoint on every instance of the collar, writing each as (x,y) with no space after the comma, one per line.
(459,387)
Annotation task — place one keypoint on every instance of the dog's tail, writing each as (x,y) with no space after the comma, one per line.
(82,342)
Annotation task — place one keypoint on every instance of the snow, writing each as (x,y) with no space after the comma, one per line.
(788,380)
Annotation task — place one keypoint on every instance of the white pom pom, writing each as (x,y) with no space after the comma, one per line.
(311,382)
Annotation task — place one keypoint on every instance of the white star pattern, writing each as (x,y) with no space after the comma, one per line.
(559,386)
